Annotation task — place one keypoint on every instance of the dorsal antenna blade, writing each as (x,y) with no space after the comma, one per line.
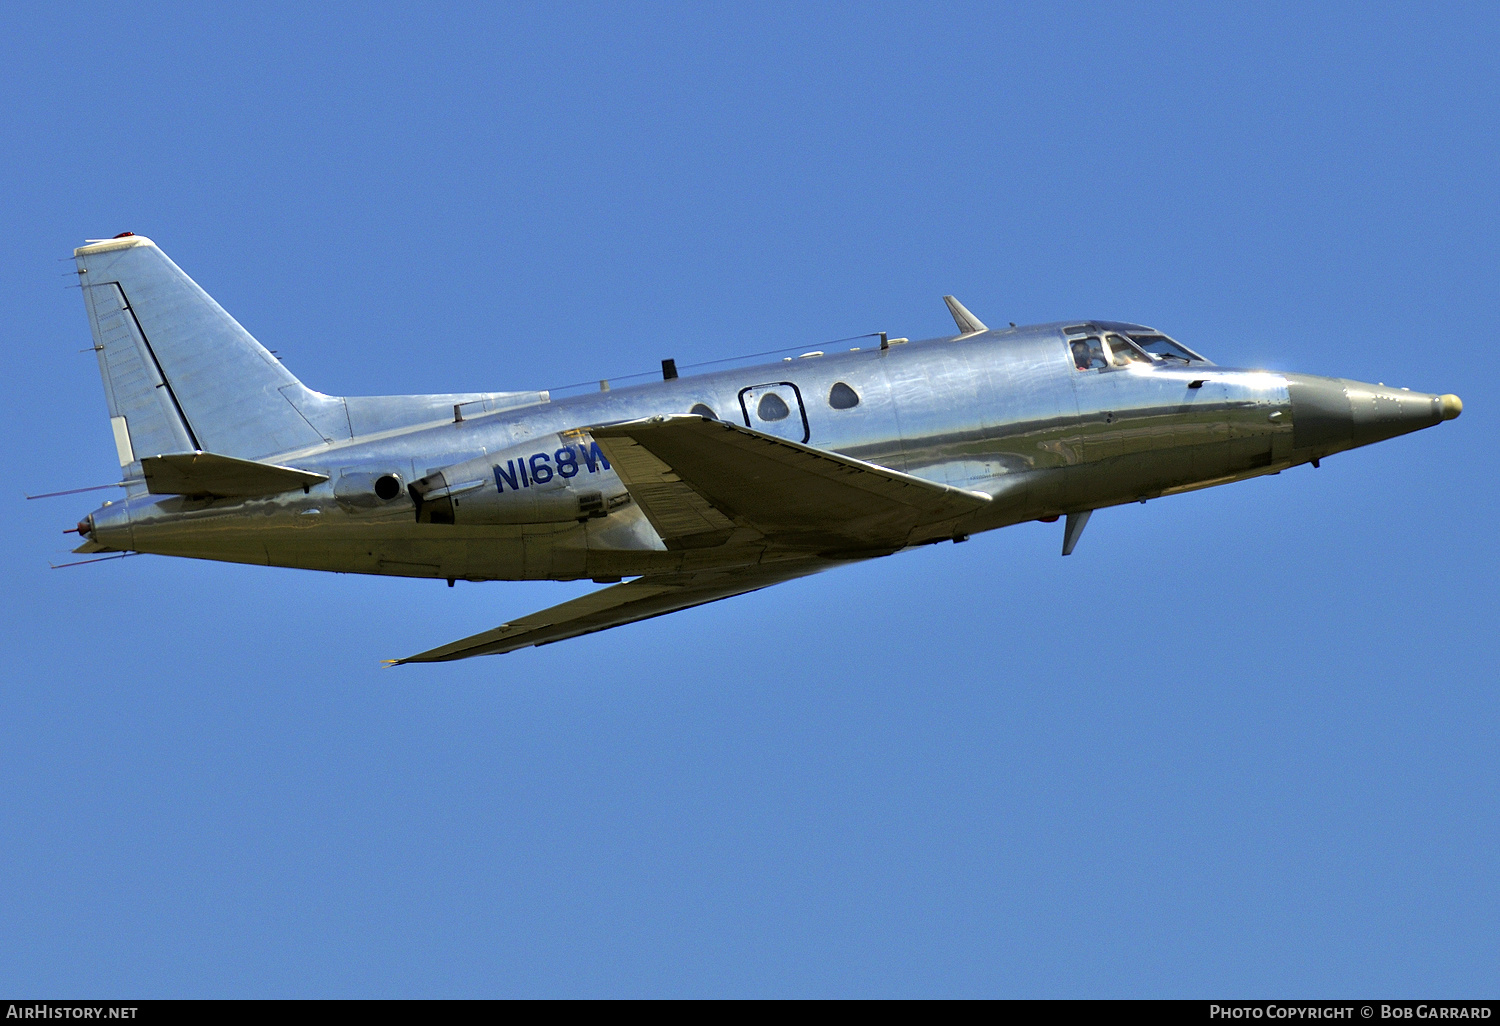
(967,323)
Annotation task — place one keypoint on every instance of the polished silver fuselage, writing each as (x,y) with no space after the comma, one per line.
(1001,412)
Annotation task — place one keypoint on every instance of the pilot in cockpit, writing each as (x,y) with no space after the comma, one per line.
(1088,354)
(1145,349)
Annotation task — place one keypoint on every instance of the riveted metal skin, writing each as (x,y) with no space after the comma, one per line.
(1334,414)
(996,428)
(1006,413)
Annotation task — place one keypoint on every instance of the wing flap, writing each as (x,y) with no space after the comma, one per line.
(640,599)
(682,516)
(791,494)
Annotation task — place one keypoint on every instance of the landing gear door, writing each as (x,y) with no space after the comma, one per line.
(776,409)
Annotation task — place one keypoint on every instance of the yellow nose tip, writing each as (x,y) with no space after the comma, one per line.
(1452,406)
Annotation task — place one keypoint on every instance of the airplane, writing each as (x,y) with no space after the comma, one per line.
(696,488)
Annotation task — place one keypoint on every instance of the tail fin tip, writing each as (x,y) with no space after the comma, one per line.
(125,240)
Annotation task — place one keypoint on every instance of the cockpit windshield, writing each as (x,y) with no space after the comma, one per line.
(1164,350)
(1122,353)
(1101,348)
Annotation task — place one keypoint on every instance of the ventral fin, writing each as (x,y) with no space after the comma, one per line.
(1073,530)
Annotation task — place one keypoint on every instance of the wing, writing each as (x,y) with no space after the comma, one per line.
(701,481)
(618,604)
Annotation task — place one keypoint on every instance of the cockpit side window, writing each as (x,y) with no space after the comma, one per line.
(1164,349)
(1123,353)
(1088,353)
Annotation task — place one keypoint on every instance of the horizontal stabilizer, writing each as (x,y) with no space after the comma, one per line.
(967,323)
(640,599)
(697,480)
(181,373)
(207,473)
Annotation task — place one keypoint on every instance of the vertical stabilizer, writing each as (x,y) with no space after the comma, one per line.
(181,374)
(141,411)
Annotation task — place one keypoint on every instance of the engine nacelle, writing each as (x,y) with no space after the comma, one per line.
(550,479)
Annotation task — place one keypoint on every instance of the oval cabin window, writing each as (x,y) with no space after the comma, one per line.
(703,411)
(772,407)
(842,397)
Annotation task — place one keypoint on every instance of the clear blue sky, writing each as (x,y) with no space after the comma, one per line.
(1269,768)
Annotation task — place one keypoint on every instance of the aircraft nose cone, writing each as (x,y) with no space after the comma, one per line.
(1333,414)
